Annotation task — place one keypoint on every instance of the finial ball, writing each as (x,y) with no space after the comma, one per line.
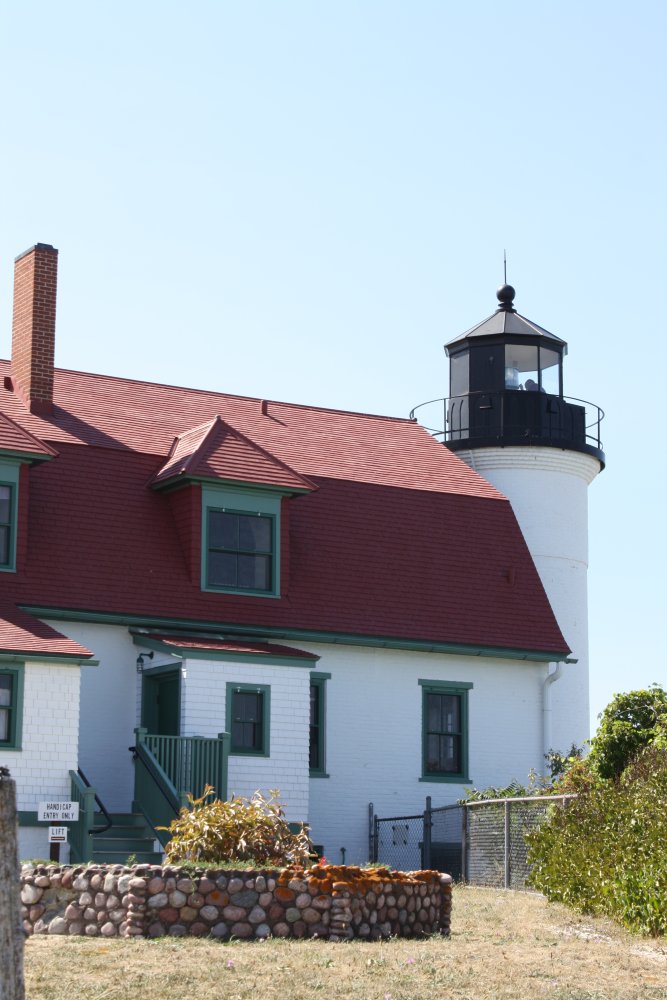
(505,295)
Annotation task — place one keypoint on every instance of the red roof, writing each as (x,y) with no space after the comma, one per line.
(21,633)
(17,440)
(216,450)
(212,644)
(400,540)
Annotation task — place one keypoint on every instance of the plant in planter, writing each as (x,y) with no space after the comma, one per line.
(239,829)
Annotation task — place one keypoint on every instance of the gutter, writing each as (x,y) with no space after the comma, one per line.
(549,680)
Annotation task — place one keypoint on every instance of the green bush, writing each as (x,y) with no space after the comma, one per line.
(629,723)
(238,829)
(606,852)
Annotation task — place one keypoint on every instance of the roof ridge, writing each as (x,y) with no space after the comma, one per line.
(229,395)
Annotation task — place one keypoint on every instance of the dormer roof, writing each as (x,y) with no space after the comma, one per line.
(216,450)
(17,442)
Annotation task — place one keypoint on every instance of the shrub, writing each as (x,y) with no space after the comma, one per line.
(238,829)
(606,852)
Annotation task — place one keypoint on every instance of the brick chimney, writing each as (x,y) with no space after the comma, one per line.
(34,326)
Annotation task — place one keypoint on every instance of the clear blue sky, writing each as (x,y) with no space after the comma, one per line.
(305,200)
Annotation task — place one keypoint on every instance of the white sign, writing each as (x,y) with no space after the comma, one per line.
(57,834)
(58,812)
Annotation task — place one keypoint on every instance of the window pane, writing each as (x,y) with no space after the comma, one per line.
(4,725)
(450,713)
(5,504)
(449,754)
(254,533)
(6,685)
(433,713)
(223,530)
(314,748)
(4,544)
(222,569)
(254,572)
(247,710)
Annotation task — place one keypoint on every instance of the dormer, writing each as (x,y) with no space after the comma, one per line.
(19,449)
(229,497)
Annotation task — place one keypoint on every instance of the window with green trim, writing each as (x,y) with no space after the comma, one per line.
(9,490)
(6,520)
(248,718)
(240,541)
(317,734)
(240,550)
(445,730)
(11,707)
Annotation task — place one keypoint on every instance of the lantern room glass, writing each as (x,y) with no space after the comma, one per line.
(532,368)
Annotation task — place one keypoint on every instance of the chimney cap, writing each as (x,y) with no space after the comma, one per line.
(36,246)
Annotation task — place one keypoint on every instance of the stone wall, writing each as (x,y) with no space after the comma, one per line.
(325,901)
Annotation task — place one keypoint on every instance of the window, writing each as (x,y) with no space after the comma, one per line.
(240,550)
(9,489)
(248,719)
(240,541)
(317,744)
(11,707)
(445,731)
(6,506)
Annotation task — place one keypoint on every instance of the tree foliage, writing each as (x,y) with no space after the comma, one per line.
(629,723)
(239,829)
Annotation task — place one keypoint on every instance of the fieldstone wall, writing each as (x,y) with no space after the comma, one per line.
(325,901)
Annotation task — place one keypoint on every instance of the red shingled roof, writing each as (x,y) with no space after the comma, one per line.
(210,643)
(399,540)
(217,450)
(21,633)
(17,440)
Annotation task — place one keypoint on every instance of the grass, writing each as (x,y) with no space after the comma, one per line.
(503,945)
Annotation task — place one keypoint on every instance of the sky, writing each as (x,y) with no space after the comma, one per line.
(304,201)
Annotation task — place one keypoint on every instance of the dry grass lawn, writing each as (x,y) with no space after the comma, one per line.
(503,944)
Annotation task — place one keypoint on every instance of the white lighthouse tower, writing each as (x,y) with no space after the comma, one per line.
(507,417)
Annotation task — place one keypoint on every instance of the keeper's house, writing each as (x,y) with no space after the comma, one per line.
(255,594)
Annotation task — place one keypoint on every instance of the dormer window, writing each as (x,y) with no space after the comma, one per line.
(240,550)
(9,490)
(6,521)
(241,541)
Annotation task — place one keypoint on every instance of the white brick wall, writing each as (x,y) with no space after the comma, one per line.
(373,746)
(50,746)
(374,718)
(108,710)
(50,734)
(204,712)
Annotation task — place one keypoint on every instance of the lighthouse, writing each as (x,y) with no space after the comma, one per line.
(508,418)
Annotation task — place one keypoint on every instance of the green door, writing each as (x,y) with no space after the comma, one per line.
(161,710)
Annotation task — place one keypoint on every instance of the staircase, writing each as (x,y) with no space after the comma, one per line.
(129,835)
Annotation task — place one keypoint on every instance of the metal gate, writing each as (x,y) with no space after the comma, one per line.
(432,839)
(481,842)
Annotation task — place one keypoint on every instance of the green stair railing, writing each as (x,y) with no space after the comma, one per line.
(80,839)
(169,768)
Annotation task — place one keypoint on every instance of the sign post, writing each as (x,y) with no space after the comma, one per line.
(57,811)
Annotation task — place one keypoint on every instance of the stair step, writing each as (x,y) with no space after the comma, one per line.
(129,835)
(131,845)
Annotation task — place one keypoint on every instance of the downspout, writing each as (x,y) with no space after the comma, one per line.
(551,678)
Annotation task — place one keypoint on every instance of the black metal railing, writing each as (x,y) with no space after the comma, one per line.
(513,417)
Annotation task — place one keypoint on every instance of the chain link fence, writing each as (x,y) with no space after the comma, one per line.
(482,843)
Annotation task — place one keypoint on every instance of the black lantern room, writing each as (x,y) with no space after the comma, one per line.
(506,387)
